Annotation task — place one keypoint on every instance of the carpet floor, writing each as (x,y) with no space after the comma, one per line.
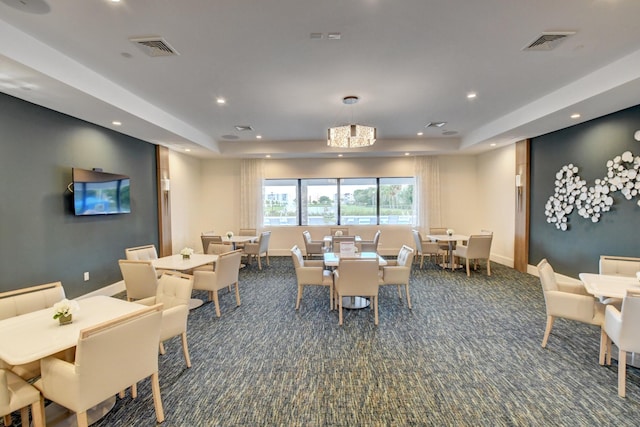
(467,354)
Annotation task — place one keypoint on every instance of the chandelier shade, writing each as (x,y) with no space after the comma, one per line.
(351,136)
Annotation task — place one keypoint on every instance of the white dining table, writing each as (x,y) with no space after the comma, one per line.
(179,263)
(450,239)
(33,336)
(608,286)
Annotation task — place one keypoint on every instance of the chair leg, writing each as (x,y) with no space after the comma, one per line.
(330,297)
(259,263)
(267,255)
(82,419)
(134,390)
(488,267)
(421,260)
(603,346)
(37,413)
(468,271)
(375,309)
(157,399)
(399,292)
(7,420)
(162,350)
(299,297)
(622,372)
(340,313)
(547,331)
(216,302)
(185,349)
(237,294)
(408,297)
(24,416)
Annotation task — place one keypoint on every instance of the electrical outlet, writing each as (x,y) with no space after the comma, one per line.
(86,276)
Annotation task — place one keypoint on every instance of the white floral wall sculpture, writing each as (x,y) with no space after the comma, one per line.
(572,192)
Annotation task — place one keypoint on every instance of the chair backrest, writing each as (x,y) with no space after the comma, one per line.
(337,240)
(248,232)
(358,276)
(547,276)
(479,246)
(228,267)
(438,230)
(376,237)
(21,301)
(307,236)
(264,242)
(140,278)
(344,230)
(630,314)
(115,354)
(485,231)
(218,248)
(296,256)
(208,239)
(405,256)
(619,266)
(141,253)
(417,240)
(174,289)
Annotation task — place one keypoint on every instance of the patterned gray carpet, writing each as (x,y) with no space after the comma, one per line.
(468,354)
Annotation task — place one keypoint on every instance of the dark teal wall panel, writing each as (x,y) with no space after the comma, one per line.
(40,238)
(588,146)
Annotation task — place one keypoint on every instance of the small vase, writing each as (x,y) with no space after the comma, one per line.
(65,320)
(186,256)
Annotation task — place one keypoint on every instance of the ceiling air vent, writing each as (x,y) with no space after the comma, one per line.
(154,46)
(243,128)
(548,41)
(435,124)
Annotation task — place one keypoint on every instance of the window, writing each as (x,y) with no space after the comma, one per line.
(358,201)
(280,197)
(345,201)
(319,201)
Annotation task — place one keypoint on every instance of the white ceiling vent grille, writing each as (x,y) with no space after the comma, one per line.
(154,46)
(548,41)
(243,128)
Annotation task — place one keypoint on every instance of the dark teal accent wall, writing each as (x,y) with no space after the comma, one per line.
(588,146)
(41,240)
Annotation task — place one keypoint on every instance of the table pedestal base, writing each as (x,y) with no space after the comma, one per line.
(355,303)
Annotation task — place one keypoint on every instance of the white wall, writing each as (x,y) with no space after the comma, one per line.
(476,193)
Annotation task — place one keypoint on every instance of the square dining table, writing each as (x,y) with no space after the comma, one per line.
(332,259)
(608,286)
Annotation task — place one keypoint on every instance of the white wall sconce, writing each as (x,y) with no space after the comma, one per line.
(165,185)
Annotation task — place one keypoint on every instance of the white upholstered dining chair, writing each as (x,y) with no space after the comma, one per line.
(140,278)
(478,247)
(173,292)
(567,300)
(370,245)
(621,327)
(17,394)
(398,272)
(425,248)
(258,249)
(225,275)
(357,277)
(312,247)
(311,273)
(109,357)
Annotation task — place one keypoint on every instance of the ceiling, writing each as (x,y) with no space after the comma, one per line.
(411,62)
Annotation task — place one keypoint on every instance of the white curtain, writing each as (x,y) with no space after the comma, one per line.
(427,192)
(251,177)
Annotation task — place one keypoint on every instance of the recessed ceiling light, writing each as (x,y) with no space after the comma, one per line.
(258,136)
(406,154)
(268,156)
(221,100)
(116,123)
(115,1)
(493,144)
(339,155)
(187,149)
(575,116)
(420,133)
(471,95)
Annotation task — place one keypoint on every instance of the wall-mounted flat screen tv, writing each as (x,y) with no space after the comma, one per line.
(100,193)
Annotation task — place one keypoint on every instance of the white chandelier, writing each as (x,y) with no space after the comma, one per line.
(351,136)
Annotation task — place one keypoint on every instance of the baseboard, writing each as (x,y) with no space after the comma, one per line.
(109,290)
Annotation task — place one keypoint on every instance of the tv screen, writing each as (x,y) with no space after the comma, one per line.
(100,193)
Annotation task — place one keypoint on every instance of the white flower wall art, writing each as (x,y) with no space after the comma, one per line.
(572,192)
